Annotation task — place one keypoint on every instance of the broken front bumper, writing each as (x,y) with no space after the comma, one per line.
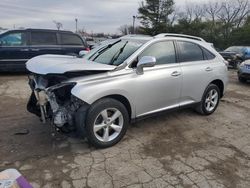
(54,103)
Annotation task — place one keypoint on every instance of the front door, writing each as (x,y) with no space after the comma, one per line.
(159,87)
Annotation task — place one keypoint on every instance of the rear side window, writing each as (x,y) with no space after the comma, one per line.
(69,39)
(189,52)
(43,38)
(164,52)
(13,39)
(207,54)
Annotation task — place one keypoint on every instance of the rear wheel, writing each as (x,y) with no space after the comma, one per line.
(210,100)
(106,123)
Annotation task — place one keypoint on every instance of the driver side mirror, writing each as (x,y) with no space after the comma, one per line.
(82,53)
(145,61)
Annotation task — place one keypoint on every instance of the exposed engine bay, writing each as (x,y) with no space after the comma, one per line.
(51,97)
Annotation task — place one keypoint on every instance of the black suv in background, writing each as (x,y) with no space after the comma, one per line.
(18,46)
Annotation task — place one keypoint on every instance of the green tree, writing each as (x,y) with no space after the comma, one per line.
(154,15)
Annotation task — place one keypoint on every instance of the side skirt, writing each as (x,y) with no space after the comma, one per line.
(134,120)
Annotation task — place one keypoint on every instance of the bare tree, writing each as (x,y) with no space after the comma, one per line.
(199,12)
(234,12)
(59,25)
(192,12)
(212,10)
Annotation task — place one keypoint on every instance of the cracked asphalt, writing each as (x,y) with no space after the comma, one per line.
(179,149)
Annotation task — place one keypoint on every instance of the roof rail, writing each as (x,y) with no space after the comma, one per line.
(179,35)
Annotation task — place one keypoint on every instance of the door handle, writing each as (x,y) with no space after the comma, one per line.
(24,50)
(208,69)
(176,73)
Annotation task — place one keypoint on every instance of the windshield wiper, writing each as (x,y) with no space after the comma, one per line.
(115,57)
(106,48)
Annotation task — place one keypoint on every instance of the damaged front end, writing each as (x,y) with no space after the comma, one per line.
(51,99)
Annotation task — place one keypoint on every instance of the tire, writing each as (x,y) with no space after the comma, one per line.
(106,123)
(242,80)
(211,97)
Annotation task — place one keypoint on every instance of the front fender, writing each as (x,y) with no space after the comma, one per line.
(92,93)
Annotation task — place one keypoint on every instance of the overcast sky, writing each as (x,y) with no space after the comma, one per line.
(93,15)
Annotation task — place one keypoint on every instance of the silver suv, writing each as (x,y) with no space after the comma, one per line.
(124,80)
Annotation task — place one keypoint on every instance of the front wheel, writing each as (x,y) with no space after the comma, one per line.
(106,123)
(210,100)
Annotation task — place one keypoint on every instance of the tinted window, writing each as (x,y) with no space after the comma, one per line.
(69,39)
(43,38)
(13,39)
(189,52)
(207,54)
(164,52)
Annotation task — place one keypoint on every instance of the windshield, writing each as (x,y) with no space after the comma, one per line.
(235,49)
(114,53)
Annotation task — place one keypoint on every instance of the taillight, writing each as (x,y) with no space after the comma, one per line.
(87,49)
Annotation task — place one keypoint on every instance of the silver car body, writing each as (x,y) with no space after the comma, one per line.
(161,87)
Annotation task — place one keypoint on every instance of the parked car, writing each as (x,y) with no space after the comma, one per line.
(244,71)
(18,46)
(126,80)
(236,54)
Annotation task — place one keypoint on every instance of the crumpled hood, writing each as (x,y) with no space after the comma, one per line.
(59,64)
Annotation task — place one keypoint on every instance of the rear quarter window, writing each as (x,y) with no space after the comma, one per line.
(43,38)
(70,39)
(207,54)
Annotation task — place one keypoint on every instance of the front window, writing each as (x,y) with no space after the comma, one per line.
(13,39)
(115,53)
(164,52)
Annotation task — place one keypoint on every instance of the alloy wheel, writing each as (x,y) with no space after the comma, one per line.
(108,124)
(212,99)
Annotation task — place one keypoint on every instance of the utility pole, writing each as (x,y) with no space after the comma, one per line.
(76,20)
(134,17)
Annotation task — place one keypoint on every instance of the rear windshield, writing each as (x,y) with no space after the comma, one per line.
(114,53)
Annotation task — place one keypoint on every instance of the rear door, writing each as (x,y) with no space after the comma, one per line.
(14,51)
(44,42)
(198,66)
(71,43)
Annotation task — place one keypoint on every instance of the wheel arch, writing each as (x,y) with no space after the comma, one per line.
(123,100)
(220,85)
